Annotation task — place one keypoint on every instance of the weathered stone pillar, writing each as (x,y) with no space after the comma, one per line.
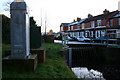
(19,30)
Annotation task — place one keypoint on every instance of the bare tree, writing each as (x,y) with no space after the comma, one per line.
(46,24)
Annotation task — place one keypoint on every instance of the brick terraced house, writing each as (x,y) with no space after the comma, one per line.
(106,24)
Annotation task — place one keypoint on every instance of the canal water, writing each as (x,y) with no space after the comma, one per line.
(85,74)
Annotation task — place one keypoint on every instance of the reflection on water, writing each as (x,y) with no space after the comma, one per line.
(84,73)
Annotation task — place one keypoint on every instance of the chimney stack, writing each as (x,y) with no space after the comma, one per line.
(105,11)
(89,15)
(78,19)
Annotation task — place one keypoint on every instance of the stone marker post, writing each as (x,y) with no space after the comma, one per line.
(19,30)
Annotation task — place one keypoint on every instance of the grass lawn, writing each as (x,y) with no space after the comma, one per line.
(54,66)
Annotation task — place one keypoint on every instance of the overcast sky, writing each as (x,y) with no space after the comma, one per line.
(64,11)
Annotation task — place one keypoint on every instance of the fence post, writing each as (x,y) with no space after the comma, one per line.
(70,57)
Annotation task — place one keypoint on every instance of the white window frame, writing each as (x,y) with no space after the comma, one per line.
(62,28)
(83,25)
(72,34)
(85,34)
(78,26)
(98,22)
(118,33)
(92,24)
(103,33)
(96,34)
(77,34)
(71,27)
(81,34)
(68,27)
(91,33)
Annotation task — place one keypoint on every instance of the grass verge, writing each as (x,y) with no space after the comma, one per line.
(54,66)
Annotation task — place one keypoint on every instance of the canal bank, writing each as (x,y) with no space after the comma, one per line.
(104,59)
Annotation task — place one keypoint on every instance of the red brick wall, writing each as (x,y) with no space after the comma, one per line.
(75,26)
(65,28)
(80,26)
(95,23)
(115,22)
(103,22)
(87,25)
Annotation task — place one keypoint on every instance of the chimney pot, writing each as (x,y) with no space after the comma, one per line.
(89,15)
(78,19)
(105,11)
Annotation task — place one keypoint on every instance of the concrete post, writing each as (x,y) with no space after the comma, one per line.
(20,46)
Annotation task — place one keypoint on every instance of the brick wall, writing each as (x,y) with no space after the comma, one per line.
(87,25)
(75,26)
(115,22)
(103,22)
(65,28)
(96,23)
(80,26)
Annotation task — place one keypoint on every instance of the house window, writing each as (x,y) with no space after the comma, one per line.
(81,34)
(92,24)
(98,22)
(91,33)
(111,22)
(103,33)
(82,25)
(78,26)
(119,20)
(65,28)
(71,27)
(77,34)
(108,23)
(61,28)
(86,34)
(72,34)
(68,27)
(96,34)
(118,34)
